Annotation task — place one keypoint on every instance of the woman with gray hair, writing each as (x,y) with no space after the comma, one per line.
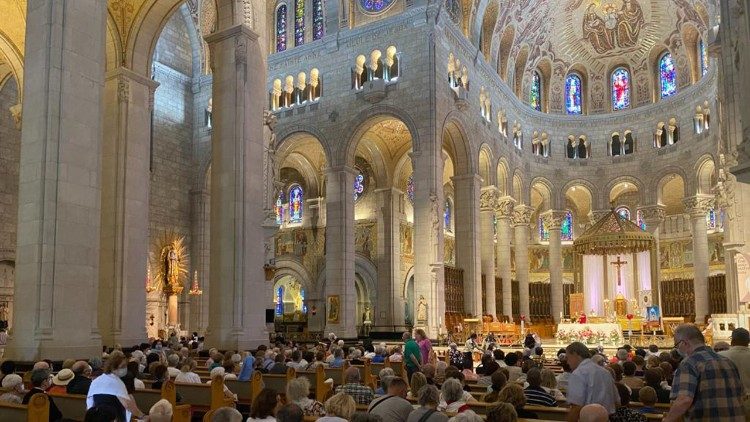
(453,397)
(297,392)
(429,397)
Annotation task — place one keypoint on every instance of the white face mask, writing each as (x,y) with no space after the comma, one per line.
(121,372)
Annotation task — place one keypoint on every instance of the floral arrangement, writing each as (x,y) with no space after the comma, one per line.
(614,337)
(563,336)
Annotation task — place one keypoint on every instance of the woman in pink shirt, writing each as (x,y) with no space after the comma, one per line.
(425,346)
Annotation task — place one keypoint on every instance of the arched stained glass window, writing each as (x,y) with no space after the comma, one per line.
(543,230)
(281,28)
(359,185)
(375,6)
(318,19)
(410,188)
(566,230)
(711,219)
(640,222)
(304,301)
(702,57)
(448,216)
(299,22)
(620,89)
(535,94)
(573,93)
(296,201)
(624,212)
(667,76)
(279,301)
(280,208)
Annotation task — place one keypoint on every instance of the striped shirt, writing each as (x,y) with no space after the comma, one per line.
(713,383)
(537,396)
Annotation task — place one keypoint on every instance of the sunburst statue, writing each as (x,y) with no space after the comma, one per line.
(169,263)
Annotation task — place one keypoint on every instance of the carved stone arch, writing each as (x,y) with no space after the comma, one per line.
(464,156)
(606,193)
(519,190)
(292,267)
(658,181)
(285,137)
(484,165)
(362,123)
(520,71)
(505,44)
(705,174)
(690,34)
(593,192)
(14,59)
(549,201)
(113,51)
(502,177)
(484,26)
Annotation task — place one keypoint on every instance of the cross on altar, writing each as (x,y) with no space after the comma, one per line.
(619,264)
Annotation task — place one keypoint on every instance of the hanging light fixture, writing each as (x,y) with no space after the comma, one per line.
(195,288)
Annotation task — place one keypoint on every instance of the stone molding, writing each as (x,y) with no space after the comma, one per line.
(522,215)
(653,214)
(505,206)
(553,219)
(488,200)
(697,206)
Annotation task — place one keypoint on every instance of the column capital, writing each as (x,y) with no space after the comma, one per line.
(505,206)
(522,215)
(553,219)
(488,200)
(653,213)
(697,206)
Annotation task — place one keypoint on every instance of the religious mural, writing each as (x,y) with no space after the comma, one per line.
(606,26)
(306,245)
(449,252)
(365,239)
(678,254)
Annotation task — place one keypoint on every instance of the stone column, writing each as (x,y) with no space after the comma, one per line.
(653,215)
(697,206)
(429,272)
(238,291)
(487,205)
(468,255)
(340,251)
(521,225)
(504,234)
(124,238)
(59,193)
(389,302)
(553,220)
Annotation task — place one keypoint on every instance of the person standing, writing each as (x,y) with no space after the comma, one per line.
(412,354)
(706,386)
(589,383)
(739,353)
(425,345)
(470,346)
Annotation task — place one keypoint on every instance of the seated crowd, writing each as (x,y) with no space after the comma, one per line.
(635,382)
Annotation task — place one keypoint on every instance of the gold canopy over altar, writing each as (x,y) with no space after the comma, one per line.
(615,269)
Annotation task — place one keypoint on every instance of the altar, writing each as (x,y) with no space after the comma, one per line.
(604,333)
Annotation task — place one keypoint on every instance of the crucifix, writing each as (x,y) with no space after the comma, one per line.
(619,264)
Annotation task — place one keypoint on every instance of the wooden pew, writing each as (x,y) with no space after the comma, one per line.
(277,382)
(180,412)
(36,411)
(366,374)
(337,374)
(246,390)
(317,382)
(204,397)
(399,368)
(73,406)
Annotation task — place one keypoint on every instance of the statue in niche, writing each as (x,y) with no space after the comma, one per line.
(435,220)
(422,309)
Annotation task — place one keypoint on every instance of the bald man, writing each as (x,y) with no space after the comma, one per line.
(81,382)
(593,413)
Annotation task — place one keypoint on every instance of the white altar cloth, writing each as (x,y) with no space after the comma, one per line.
(593,333)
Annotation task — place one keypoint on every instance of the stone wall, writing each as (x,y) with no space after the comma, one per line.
(10,151)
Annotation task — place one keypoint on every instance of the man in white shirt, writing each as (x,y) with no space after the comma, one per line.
(589,383)
(739,353)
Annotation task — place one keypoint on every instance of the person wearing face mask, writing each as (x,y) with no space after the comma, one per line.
(706,385)
(109,390)
(41,380)
(14,391)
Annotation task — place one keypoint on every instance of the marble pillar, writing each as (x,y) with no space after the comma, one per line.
(487,206)
(238,291)
(554,220)
(505,206)
(652,216)
(126,152)
(340,254)
(468,254)
(59,192)
(697,206)
(388,312)
(429,272)
(522,226)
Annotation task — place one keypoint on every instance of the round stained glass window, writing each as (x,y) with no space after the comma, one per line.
(375,6)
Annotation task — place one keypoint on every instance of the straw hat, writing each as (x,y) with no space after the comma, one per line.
(63,377)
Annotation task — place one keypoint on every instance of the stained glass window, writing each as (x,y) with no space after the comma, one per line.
(543,230)
(299,22)
(280,208)
(667,76)
(281,28)
(624,212)
(375,6)
(566,230)
(318,19)
(304,304)
(620,89)
(279,301)
(359,186)
(641,223)
(447,216)
(535,95)
(410,188)
(296,198)
(711,219)
(702,57)
(573,90)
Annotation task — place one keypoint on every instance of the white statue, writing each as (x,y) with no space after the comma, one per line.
(422,309)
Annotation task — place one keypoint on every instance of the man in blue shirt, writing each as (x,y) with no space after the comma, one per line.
(589,383)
